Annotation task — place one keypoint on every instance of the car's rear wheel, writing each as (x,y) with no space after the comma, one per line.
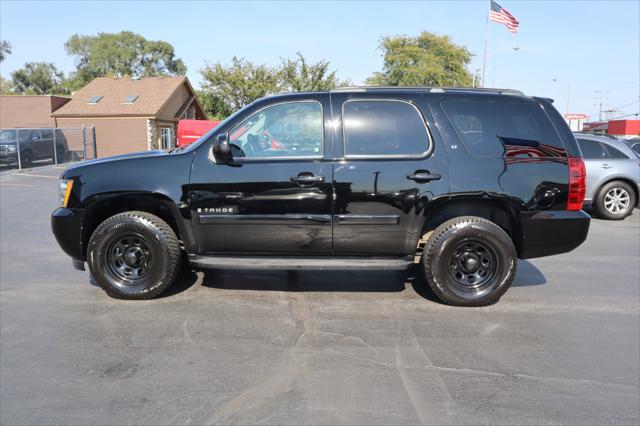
(615,201)
(469,261)
(134,255)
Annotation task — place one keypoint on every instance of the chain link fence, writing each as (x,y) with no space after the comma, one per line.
(25,148)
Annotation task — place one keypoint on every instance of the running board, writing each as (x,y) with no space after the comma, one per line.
(296,263)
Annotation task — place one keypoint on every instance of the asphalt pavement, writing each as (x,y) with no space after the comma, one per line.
(368,347)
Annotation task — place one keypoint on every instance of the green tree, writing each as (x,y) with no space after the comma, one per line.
(121,54)
(227,88)
(425,60)
(230,87)
(5,49)
(296,75)
(5,86)
(38,78)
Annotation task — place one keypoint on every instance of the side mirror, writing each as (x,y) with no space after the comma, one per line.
(221,150)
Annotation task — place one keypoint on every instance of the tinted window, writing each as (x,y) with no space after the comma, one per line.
(591,150)
(383,128)
(291,129)
(636,148)
(615,153)
(496,129)
(47,134)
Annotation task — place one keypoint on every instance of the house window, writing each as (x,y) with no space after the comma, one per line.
(166,140)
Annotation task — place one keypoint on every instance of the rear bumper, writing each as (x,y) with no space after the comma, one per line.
(552,232)
(67,228)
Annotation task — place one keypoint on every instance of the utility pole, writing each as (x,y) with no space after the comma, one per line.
(601,98)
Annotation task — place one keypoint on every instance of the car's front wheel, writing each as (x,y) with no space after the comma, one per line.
(615,201)
(134,255)
(60,154)
(26,159)
(469,261)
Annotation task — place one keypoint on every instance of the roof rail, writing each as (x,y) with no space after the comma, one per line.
(431,89)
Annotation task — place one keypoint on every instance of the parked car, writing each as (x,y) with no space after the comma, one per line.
(35,144)
(190,131)
(634,144)
(467,180)
(613,176)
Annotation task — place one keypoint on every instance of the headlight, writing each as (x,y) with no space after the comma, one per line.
(12,148)
(65,191)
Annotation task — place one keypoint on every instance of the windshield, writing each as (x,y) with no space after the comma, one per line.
(7,136)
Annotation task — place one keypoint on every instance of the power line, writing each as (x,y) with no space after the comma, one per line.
(626,105)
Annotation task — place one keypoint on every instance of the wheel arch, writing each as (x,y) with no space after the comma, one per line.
(107,205)
(504,213)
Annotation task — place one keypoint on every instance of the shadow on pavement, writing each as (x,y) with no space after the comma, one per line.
(329,281)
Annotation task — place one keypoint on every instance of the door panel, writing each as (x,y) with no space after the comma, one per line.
(276,196)
(256,208)
(381,202)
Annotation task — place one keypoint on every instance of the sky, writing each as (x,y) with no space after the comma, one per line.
(589,50)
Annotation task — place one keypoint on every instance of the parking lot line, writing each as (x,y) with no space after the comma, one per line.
(38,176)
(13,184)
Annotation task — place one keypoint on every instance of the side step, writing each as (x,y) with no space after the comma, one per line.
(296,263)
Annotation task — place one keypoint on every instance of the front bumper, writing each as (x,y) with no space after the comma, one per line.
(552,232)
(8,158)
(67,228)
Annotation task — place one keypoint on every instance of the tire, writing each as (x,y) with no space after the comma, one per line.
(615,201)
(26,159)
(134,255)
(465,247)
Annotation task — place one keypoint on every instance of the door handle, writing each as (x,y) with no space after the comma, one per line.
(307,178)
(423,176)
(607,166)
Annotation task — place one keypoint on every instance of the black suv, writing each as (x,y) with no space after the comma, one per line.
(467,180)
(35,144)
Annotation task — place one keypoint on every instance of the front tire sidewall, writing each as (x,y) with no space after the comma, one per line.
(151,284)
(437,262)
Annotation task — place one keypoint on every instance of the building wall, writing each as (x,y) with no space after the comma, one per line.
(117,135)
(29,111)
(172,107)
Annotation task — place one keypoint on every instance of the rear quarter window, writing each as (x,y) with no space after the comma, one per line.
(615,153)
(504,129)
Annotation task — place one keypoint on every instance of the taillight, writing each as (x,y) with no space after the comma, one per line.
(577,184)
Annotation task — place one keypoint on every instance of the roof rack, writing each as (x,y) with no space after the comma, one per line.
(429,89)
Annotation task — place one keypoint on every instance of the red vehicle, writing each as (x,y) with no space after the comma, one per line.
(190,131)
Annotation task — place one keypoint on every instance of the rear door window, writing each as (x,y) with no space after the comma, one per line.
(497,129)
(591,150)
(383,128)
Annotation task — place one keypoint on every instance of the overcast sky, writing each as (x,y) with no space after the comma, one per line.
(591,45)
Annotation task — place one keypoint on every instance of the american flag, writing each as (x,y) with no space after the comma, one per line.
(501,15)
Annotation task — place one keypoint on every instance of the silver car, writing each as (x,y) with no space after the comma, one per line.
(613,176)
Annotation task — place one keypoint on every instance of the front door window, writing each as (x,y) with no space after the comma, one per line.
(292,129)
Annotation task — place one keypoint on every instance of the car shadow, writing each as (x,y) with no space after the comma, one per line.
(328,281)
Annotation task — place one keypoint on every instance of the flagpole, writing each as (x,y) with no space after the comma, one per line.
(486,37)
